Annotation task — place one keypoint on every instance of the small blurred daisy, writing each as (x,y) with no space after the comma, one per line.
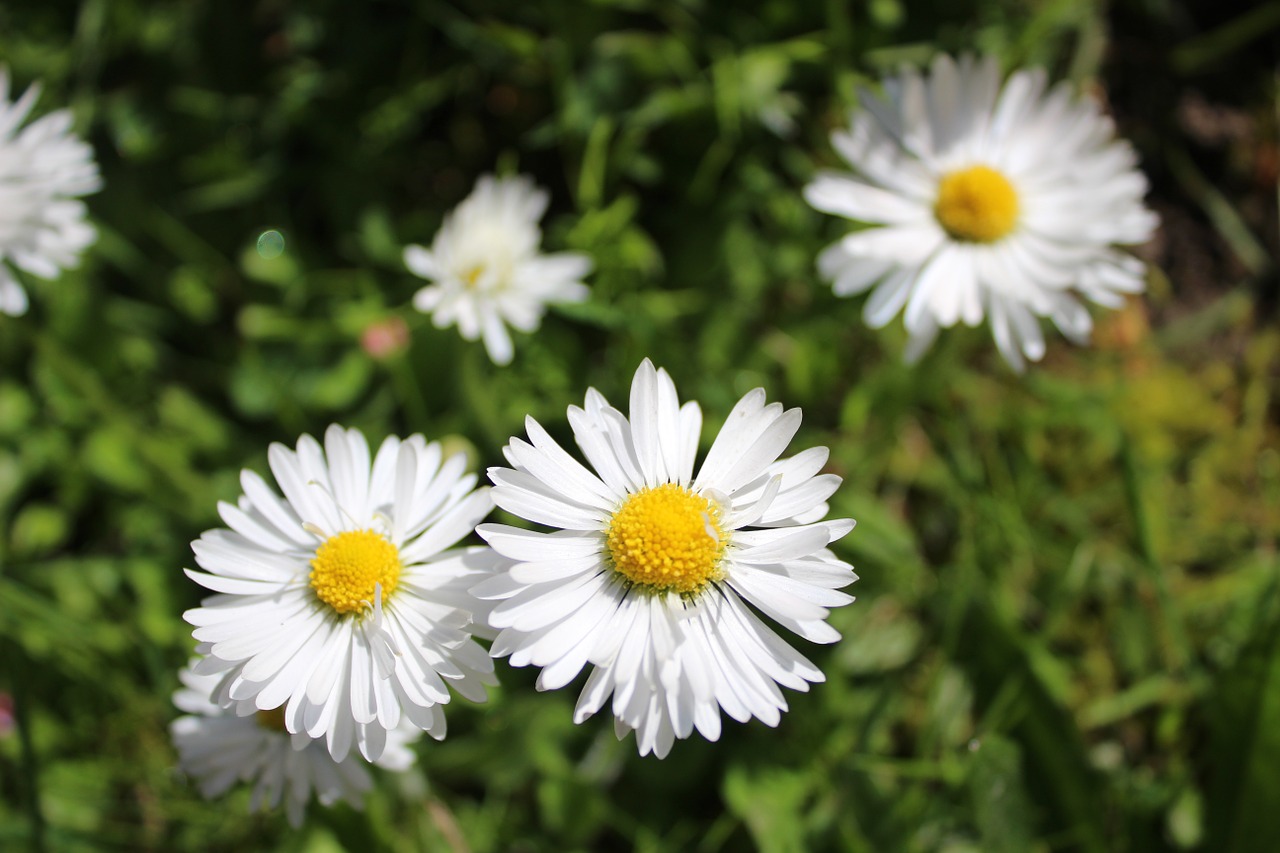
(986,201)
(486,268)
(346,603)
(43,168)
(652,570)
(219,748)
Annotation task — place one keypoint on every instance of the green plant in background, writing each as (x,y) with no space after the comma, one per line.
(1065,634)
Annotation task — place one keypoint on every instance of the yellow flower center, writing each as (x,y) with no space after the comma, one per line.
(347,567)
(977,204)
(272,720)
(667,538)
(471,276)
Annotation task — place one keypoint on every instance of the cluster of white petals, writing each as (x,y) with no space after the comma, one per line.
(44,168)
(487,270)
(1077,193)
(219,748)
(285,637)
(347,677)
(671,661)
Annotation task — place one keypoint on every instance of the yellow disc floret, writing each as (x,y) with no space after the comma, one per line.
(667,539)
(977,205)
(347,568)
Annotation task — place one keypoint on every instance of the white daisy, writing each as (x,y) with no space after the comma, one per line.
(1003,202)
(486,268)
(43,168)
(652,569)
(218,748)
(346,602)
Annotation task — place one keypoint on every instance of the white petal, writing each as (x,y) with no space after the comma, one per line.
(526,496)
(421,262)
(531,546)
(888,298)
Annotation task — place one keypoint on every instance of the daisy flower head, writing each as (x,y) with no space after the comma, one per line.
(656,576)
(43,170)
(486,269)
(218,748)
(345,603)
(983,200)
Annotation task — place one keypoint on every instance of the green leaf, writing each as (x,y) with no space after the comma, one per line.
(1068,790)
(39,529)
(1000,804)
(1244,749)
(771,803)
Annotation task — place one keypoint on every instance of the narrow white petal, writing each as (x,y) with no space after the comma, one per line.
(528,545)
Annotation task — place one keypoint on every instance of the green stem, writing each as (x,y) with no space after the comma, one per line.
(30,768)
(412,400)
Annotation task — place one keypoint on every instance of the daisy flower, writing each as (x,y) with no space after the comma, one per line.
(43,168)
(486,270)
(654,575)
(984,200)
(218,748)
(345,604)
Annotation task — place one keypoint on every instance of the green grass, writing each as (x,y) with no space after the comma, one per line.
(1067,633)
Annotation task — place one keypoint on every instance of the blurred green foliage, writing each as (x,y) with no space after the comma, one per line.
(1067,629)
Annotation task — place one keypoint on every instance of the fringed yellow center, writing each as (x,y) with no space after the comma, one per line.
(667,538)
(977,205)
(347,568)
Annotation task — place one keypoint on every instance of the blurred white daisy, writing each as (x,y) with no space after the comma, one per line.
(346,603)
(43,168)
(1004,202)
(219,748)
(486,268)
(655,575)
